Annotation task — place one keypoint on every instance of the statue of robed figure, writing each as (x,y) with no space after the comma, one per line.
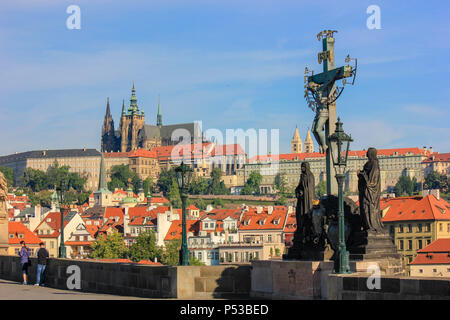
(305,196)
(369,187)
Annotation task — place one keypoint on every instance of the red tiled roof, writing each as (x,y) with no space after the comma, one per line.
(53,220)
(175,229)
(143,153)
(439,245)
(78,243)
(158,200)
(291,223)
(358,153)
(112,212)
(285,157)
(192,207)
(17,228)
(415,208)
(437,252)
(148,262)
(438,157)
(264,221)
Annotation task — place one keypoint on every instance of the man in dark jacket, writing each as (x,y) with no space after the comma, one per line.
(42,256)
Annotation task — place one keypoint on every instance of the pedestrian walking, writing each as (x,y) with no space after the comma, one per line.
(42,256)
(24,254)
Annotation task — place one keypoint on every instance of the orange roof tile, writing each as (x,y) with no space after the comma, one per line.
(175,229)
(415,208)
(17,228)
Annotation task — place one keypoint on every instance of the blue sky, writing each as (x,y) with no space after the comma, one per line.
(231,64)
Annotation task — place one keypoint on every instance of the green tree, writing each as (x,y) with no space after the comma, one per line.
(199,185)
(110,247)
(34,179)
(435,180)
(174,195)
(281,201)
(279,183)
(147,185)
(217,202)
(165,180)
(171,255)
(120,174)
(251,187)
(216,186)
(145,248)
(195,262)
(9,175)
(405,186)
(200,203)
(321,189)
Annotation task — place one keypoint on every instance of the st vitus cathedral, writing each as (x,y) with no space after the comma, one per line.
(134,134)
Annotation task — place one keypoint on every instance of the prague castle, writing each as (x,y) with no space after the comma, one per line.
(134,134)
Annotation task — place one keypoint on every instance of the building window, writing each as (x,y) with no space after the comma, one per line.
(420,270)
(409,228)
(410,244)
(420,244)
(400,228)
(441,227)
(428,227)
(401,245)
(419,227)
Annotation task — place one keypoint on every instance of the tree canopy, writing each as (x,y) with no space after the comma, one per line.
(38,180)
(145,248)
(9,175)
(119,178)
(110,247)
(251,187)
(435,180)
(405,186)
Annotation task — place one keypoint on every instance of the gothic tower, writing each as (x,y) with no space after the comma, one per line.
(132,122)
(309,145)
(108,138)
(296,143)
(159,116)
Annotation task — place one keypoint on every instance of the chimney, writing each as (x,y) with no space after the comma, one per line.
(269,209)
(259,209)
(431,150)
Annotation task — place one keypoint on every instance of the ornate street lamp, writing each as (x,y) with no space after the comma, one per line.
(184,176)
(61,189)
(340,164)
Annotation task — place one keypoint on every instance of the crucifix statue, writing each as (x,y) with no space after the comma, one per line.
(321,94)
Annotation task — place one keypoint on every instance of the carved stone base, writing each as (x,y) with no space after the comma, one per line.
(376,246)
(307,251)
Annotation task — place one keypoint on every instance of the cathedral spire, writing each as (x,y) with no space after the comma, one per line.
(159,116)
(133,109)
(123,108)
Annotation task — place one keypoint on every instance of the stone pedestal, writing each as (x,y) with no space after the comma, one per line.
(377,247)
(3,236)
(290,279)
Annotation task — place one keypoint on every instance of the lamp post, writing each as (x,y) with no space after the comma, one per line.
(61,191)
(184,176)
(340,164)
